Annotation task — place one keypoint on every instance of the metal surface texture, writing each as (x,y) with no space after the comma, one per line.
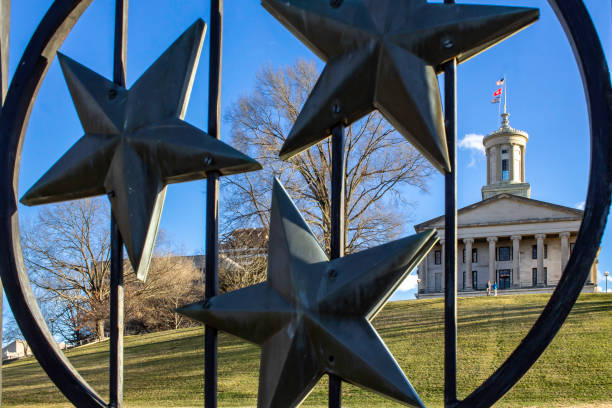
(32,69)
(385,54)
(338,230)
(450,236)
(211,277)
(136,143)
(115,392)
(312,316)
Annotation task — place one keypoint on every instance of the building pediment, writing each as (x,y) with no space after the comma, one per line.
(507,209)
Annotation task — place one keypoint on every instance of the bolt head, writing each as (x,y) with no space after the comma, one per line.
(336,108)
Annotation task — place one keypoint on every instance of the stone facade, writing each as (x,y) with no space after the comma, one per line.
(505,150)
(522,244)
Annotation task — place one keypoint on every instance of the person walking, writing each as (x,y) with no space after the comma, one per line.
(489,287)
(495,288)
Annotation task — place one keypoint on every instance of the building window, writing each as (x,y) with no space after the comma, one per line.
(474,279)
(464,256)
(572,247)
(534,251)
(504,151)
(504,278)
(545,276)
(503,253)
(534,277)
(463,285)
(474,255)
(505,172)
(438,257)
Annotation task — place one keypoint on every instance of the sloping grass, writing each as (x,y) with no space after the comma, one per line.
(165,369)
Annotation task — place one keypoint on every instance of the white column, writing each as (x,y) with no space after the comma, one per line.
(516,268)
(522,164)
(493,162)
(564,249)
(488,166)
(594,272)
(468,263)
(540,238)
(443,259)
(420,275)
(511,163)
(425,278)
(492,241)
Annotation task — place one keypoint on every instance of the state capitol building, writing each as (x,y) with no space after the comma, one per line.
(521,243)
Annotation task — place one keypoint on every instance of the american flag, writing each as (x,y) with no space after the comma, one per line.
(497,99)
(500,82)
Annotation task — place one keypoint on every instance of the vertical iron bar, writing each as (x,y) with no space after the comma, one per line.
(212,201)
(450,237)
(337,244)
(5,22)
(116,273)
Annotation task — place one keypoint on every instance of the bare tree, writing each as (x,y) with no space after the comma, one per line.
(66,251)
(173,281)
(380,162)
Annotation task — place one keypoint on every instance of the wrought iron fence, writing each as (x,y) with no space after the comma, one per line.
(305,19)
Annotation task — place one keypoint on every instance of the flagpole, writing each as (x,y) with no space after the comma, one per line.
(505,94)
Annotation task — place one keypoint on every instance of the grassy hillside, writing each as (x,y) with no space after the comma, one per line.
(165,369)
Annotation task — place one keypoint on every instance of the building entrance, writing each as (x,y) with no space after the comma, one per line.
(504,278)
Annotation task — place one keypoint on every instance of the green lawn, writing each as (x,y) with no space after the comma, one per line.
(165,369)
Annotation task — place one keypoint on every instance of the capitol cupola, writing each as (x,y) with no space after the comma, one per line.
(505,151)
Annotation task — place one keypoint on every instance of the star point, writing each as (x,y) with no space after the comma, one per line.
(386,55)
(312,316)
(136,143)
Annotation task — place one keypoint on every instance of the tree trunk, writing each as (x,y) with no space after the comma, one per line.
(100,329)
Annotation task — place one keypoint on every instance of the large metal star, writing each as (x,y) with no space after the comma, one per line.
(136,143)
(385,54)
(313,315)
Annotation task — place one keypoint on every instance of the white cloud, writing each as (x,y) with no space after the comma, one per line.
(472,141)
(580,205)
(410,283)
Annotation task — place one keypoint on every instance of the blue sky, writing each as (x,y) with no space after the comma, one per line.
(545,93)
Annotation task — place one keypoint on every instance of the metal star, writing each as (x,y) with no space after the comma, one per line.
(385,54)
(313,315)
(136,143)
